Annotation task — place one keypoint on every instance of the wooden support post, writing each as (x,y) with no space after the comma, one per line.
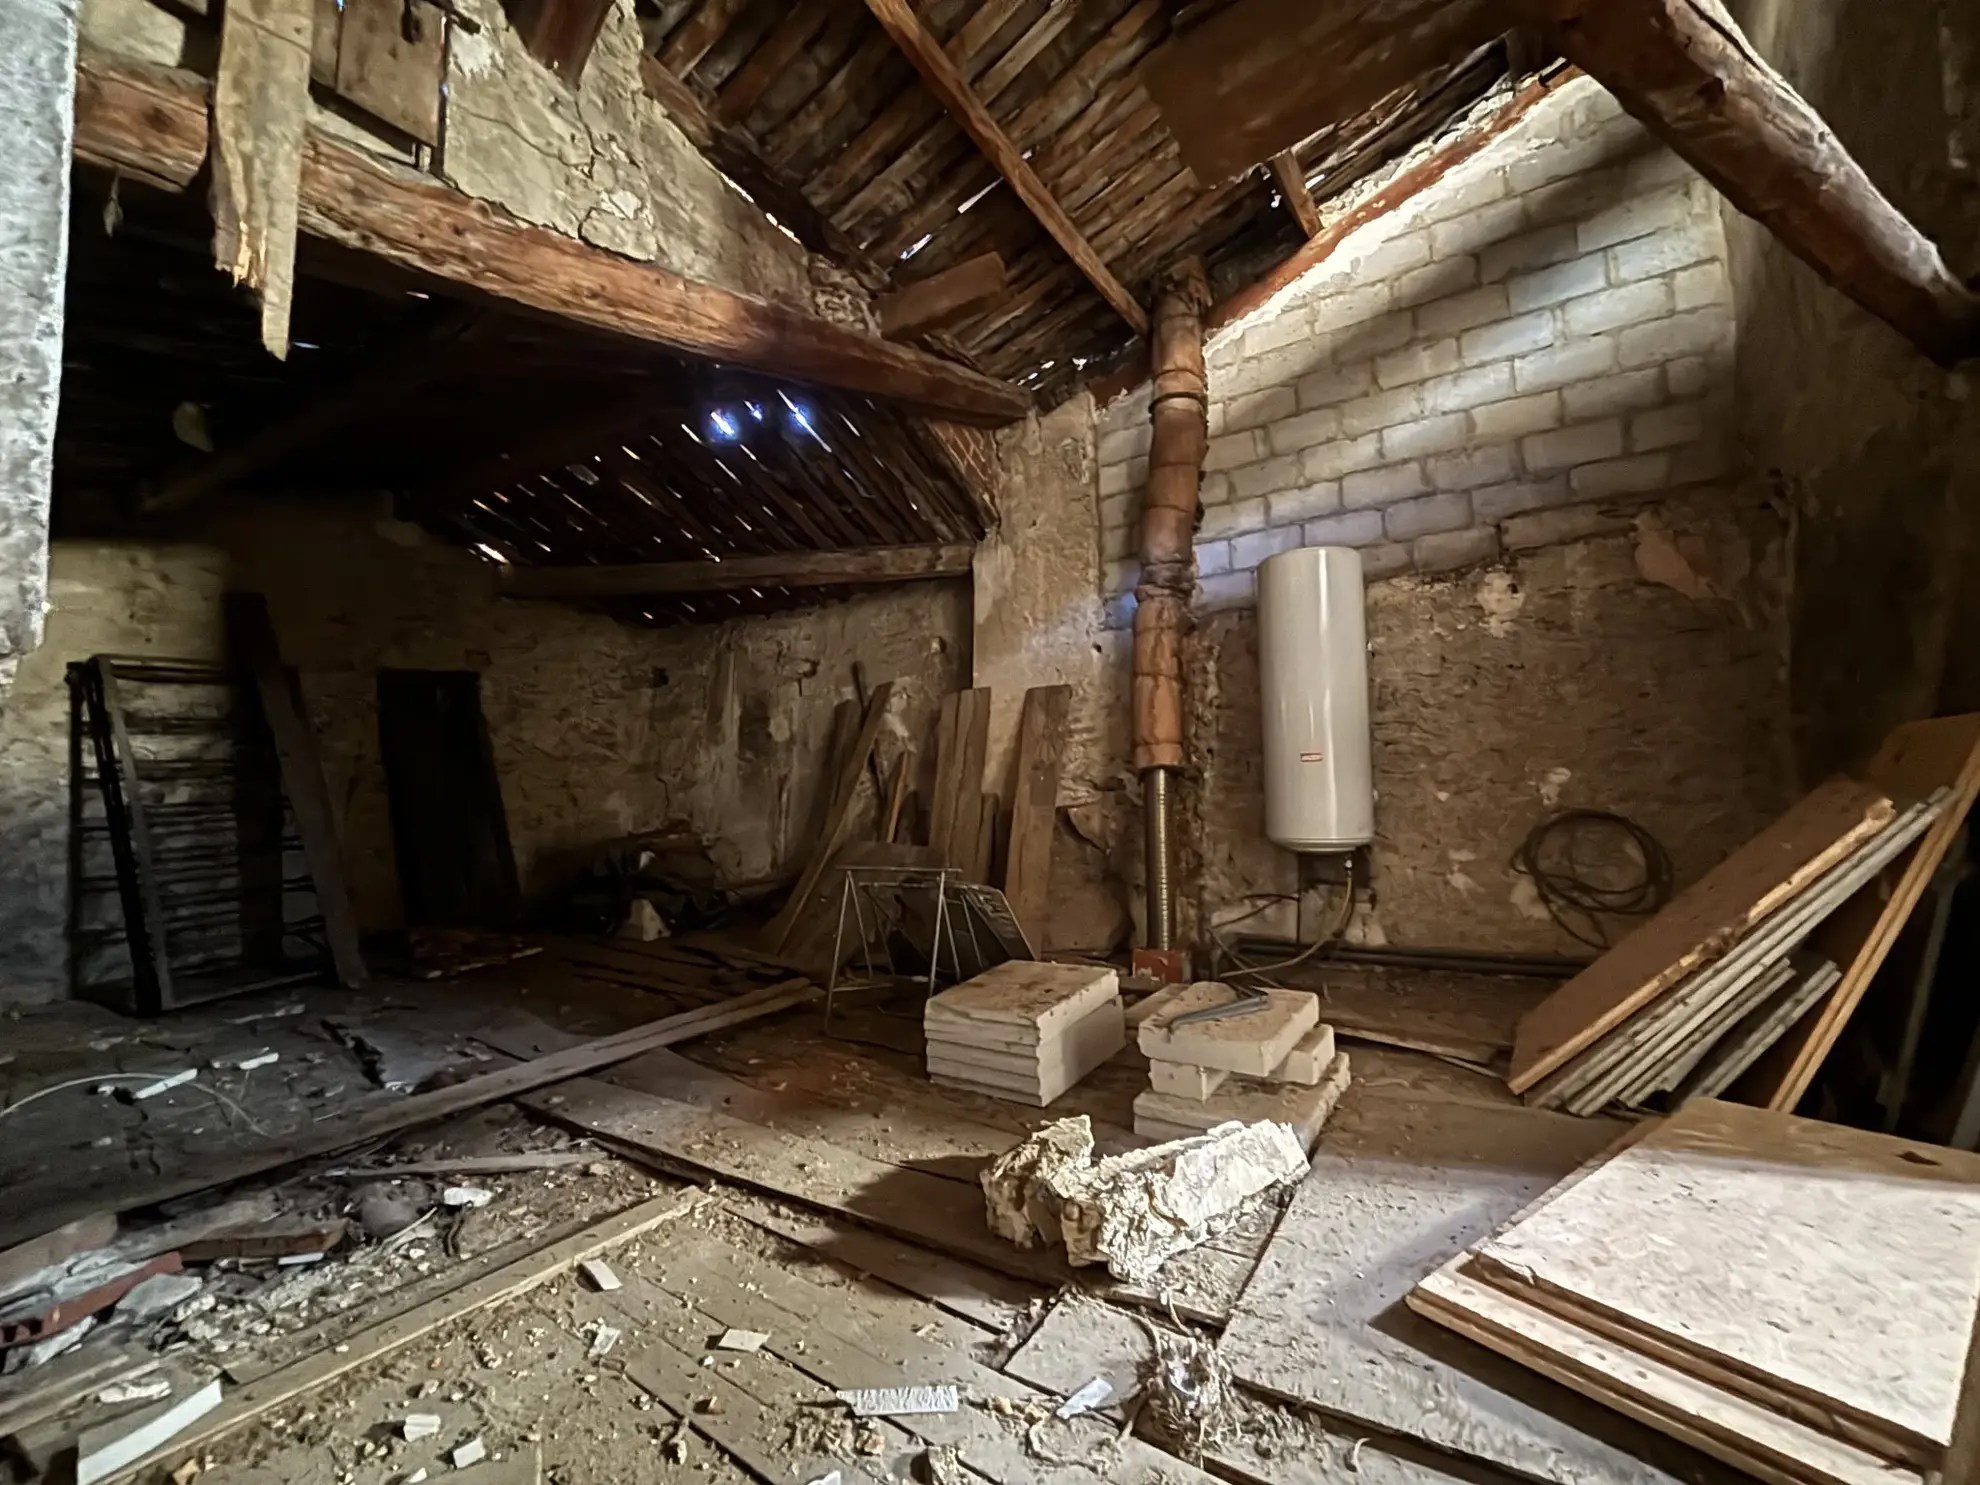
(947,83)
(260,120)
(779,570)
(252,633)
(420,224)
(1291,176)
(1687,71)
(1035,808)
(1180,412)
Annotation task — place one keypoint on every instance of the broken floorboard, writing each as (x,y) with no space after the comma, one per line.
(866,1335)
(246,1403)
(680,1136)
(1203,1283)
(1397,1187)
(391,1114)
(1081,1339)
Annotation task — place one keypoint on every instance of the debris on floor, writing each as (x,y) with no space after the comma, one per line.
(599,1272)
(893,1402)
(1136,1211)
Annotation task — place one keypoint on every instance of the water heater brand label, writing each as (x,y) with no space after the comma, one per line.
(1312,757)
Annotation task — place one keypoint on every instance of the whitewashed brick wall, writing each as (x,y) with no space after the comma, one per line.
(1516,357)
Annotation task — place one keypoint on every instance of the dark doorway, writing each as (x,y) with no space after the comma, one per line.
(456,869)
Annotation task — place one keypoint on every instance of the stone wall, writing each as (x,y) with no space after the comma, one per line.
(1874,449)
(1545,334)
(601,162)
(599,729)
(1513,396)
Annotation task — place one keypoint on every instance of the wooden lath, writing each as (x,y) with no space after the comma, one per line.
(831,103)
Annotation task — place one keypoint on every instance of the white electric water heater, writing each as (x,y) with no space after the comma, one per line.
(1313,672)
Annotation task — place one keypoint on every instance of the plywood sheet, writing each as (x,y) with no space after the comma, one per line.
(1700,924)
(1840,1266)
(1743,1433)
(1915,759)
(1399,1186)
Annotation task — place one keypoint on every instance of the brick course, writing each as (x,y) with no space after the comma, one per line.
(1516,357)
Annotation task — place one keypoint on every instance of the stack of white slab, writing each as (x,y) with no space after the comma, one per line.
(1275,1063)
(1025,1031)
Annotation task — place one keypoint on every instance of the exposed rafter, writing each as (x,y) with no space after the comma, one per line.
(954,92)
(784,570)
(1286,170)
(1689,73)
(414,221)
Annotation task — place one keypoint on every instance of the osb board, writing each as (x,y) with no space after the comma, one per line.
(1699,925)
(1835,1265)
(1915,760)
(1399,1185)
(1745,1434)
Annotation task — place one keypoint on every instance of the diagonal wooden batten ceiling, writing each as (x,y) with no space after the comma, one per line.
(836,111)
(534,443)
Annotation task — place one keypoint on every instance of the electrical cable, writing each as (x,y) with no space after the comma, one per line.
(21,1103)
(1250,971)
(1564,886)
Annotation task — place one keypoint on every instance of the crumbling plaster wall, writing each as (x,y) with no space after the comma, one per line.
(1592,617)
(1875,449)
(37,119)
(601,162)
(600,729)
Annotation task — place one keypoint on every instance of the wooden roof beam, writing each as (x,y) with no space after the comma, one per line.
(1684,68)
(778,570)
(418,223)
(1291,176)
(949,86)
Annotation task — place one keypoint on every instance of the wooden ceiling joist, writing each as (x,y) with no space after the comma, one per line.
(942,298)
(1291,176)
(1685,69)
(414,221)
(782,570)
(397,373)
(954,92)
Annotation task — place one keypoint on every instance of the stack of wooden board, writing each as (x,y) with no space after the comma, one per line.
(1694,997)
(1024,1031)
(1793,1297)
(1273,1060)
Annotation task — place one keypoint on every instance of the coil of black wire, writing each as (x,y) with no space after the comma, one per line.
(1555,857)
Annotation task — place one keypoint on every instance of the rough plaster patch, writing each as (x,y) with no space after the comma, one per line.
(1501,596)
(1525,900)
(603,163)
